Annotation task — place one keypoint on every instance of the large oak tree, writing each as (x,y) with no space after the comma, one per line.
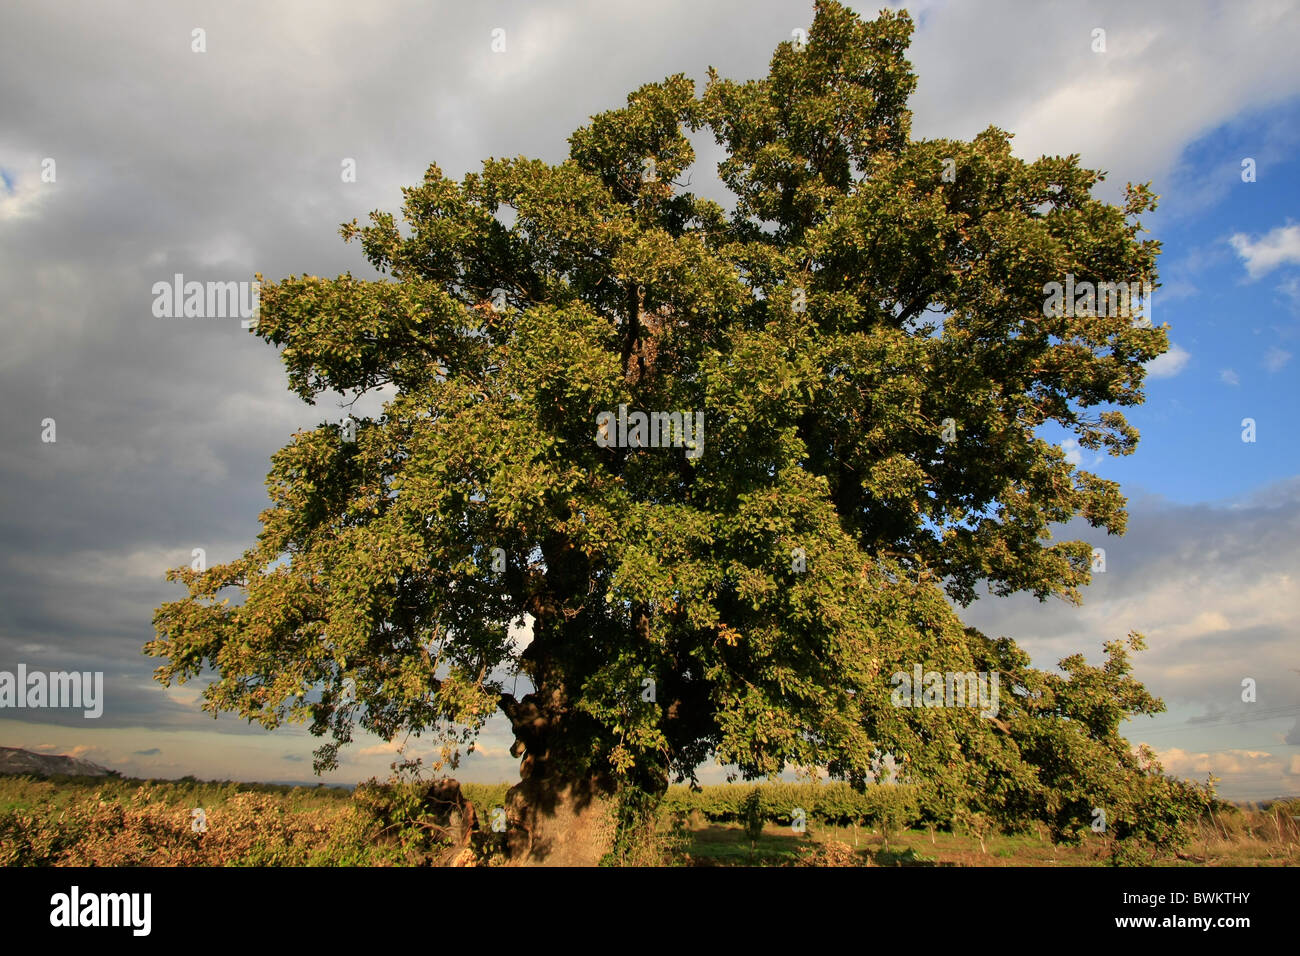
(866,339)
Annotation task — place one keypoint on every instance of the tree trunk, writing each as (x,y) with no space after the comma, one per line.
(561,813)
(556,822)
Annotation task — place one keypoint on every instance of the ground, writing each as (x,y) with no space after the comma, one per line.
(99,822)
(726,845)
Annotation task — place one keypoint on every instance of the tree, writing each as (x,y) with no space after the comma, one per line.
(866,341)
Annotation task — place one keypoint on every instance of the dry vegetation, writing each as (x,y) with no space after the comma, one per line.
(84,822)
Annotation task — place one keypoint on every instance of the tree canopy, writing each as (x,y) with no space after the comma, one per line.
(865,336)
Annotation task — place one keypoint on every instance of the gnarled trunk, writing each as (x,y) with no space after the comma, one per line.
(561,813)
(558,822)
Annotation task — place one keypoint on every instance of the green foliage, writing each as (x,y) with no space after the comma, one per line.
(400,811)
(856,301)
(645,835)
(832,804)
(1157,815)
(483,797)
(751,814)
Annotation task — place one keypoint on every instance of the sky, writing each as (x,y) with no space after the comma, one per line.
(227,162)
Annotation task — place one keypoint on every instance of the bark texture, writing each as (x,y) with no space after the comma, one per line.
(561,813)
(559,823)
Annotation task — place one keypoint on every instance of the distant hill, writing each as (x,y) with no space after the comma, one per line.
(15,761)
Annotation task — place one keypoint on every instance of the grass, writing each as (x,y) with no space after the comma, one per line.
(28,793)
(725,844)
(719,844)
(116,821)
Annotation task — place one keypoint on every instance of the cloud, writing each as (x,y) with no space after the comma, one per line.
(1228,377)
(1210,168)
(1191,764)
(1254,774)
(63,750)
(1072,453)
(1170,363)
(1178,277)
(382,748)
(22,194)
(521,633)
(1291,289)
(1156,89)
(151,752)
(1238,558)
(1275,358)
(1280,246)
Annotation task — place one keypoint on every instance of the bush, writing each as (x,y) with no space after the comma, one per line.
(153,825)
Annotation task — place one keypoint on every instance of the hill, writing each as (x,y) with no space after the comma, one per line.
(25,762)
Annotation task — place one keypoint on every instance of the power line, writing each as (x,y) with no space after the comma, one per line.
(1281,713)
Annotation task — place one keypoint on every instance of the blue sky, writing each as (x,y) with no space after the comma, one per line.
(1240,329)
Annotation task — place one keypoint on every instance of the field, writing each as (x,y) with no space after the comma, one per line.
(122,822)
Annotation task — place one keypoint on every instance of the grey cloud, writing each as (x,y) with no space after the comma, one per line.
(1212,587)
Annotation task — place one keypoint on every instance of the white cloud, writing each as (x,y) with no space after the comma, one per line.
(1291,289)
(226,249)
(1072,453)
(383,748)
(1277,247)
(21,194)
(1208,622)
(521,633)
(1275,358)
(1245,773)
(190,695)
(1169,364)
(1185,763)
(1228,377)
(1170,75)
